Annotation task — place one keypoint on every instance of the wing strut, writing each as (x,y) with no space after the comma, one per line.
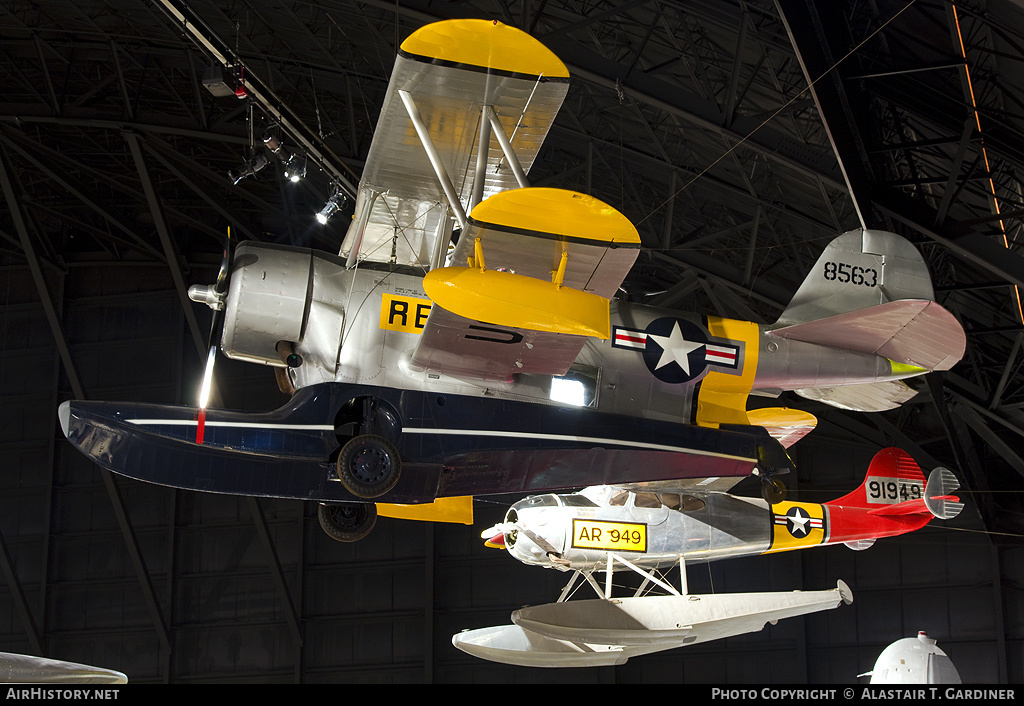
(606,592)
(364,207)
(506,147)
(435,159)
(482,150)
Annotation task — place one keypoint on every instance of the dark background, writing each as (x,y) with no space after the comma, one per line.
(692,118)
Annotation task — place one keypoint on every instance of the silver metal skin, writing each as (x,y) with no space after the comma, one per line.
(688,523)
(790,365)
(901,274)
(913,660)
(706,527)
(333,316)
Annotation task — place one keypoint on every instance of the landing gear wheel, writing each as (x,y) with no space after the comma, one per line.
(369,466)
(347,522)
(773,490)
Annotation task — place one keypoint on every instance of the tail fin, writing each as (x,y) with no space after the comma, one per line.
(893,477)
(870,292)
(894,485)
(859,269)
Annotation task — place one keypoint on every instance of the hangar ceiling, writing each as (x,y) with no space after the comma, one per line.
(739,137)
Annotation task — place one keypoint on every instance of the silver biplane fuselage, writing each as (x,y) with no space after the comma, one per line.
(361,326)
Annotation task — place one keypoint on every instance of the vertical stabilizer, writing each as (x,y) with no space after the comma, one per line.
(857,270)
(892,477)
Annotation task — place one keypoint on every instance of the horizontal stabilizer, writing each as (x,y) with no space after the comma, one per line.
(909,331)
(908,507)
(867,397)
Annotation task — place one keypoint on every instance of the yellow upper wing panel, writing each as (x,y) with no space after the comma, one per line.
(485,44)
(450,70)
(568,215)
(527,231)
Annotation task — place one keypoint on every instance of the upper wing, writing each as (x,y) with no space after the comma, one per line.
(449,75)
(543,264)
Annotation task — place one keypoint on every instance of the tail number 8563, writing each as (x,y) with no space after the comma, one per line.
(845,272)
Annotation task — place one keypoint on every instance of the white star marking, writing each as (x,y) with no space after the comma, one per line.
(675,348)
(799,521)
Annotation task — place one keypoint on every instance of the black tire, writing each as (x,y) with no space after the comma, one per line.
(773,490)
(369,466)
(347,522)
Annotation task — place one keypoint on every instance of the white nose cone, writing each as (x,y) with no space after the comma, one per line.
(914,660)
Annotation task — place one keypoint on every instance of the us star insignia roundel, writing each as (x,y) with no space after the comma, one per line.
(798,525)
(675,350)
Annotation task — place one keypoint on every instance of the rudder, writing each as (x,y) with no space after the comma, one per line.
(857,270)
(892,477)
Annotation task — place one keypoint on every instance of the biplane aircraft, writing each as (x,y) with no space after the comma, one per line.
(466,339)
(654,526)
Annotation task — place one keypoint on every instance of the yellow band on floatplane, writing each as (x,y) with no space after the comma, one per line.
(487,44)
(518,301)
(458,510)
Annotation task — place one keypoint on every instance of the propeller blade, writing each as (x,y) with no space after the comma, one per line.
(544,544)
(212,296)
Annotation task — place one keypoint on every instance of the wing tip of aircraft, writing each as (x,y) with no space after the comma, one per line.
(486,44)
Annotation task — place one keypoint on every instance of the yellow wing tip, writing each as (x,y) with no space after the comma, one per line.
(781,417)
(487,44)
(457,510)
(557,211)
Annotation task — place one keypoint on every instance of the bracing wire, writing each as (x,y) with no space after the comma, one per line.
(775,114)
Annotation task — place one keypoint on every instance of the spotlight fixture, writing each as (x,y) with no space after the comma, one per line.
(272,143)
(333,205)
(256,163)
(295,166)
